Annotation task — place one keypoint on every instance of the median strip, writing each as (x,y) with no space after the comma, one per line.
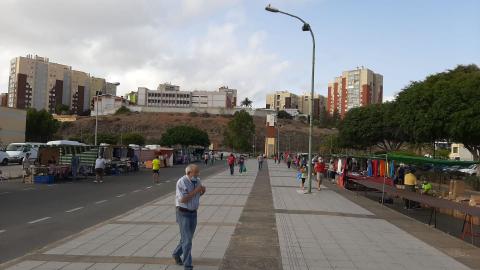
(74,209)
(39,220)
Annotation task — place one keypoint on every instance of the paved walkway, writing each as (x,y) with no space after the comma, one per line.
(145,237)
(261,221)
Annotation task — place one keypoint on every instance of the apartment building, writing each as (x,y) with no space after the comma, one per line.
(354,88)
(3,100)
(304,104)
(35,82)
(12,125)
(168,95)
(284,100)
(281,100)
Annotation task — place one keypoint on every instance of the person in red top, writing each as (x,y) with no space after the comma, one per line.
(231,163)
(320,170)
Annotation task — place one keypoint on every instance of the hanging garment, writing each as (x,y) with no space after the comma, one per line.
(339,166)
(374,167)
(369,168)
(392,169)
(382,170)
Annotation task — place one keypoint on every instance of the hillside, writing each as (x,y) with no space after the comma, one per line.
(152,125)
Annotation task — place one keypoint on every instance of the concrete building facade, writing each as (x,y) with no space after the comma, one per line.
(459,152)
(355,88)
(168,95)
(4,100)
(284,100)
(35,82)
(12,125)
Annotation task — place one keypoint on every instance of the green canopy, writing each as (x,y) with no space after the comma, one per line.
(426,160)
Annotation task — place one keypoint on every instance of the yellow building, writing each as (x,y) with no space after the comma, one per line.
(281,100)
(12,125)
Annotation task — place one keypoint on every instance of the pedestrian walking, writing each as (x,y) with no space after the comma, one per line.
(241,164)
(303,171)
(189,188)
(231,163)
(100,164)
(260,162)
(319,170)
(275,158)
(26,166)
(205,158)
(289,161)
(156,170)
(212,158)
(75,164)
(221,156)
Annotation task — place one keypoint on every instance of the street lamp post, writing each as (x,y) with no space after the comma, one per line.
(305,27)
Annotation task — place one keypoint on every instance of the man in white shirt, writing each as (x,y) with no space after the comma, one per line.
(99,169)
(187,200)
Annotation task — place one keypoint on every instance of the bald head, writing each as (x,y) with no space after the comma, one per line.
(192,170)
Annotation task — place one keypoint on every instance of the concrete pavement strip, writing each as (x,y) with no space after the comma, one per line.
(141,241)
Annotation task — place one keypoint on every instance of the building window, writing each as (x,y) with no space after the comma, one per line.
(455,150)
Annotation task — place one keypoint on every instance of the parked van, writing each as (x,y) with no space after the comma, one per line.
(3,158)
(17,151)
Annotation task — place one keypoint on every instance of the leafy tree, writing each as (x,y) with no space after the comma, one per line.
(40,126)
(246,102)
(444,106)
(374,125)
(239,132)
(133,138)
(283,115)
(185,136)
(330,144)
(123,110)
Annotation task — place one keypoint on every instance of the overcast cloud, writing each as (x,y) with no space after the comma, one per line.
(143,43)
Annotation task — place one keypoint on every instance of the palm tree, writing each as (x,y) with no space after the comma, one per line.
(246,102)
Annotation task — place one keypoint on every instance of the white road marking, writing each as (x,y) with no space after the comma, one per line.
(102,201)
(3,193)
(149,187)
(135,191)
(52,185)
(2,231)
(74,209)
(39,220)
(30,188)
(121,195)
(168,181)
(158,184)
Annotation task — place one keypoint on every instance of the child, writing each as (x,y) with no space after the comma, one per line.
(303,170)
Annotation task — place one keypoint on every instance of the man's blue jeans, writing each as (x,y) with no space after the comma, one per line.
(187,223)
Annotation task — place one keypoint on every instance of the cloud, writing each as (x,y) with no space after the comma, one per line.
(198,44)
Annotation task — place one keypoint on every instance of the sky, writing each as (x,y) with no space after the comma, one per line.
(205,44)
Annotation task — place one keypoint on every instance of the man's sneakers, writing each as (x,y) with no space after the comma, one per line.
(178,260)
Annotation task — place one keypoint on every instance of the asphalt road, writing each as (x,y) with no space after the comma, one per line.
(32,216)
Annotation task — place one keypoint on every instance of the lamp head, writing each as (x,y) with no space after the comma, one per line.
(271,9)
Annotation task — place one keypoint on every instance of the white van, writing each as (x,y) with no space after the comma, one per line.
(17,151)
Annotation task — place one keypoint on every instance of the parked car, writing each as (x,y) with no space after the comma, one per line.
(471,170)
(17,151)
(3,158)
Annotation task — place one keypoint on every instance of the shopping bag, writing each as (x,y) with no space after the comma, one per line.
(244,168)
(299,177)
